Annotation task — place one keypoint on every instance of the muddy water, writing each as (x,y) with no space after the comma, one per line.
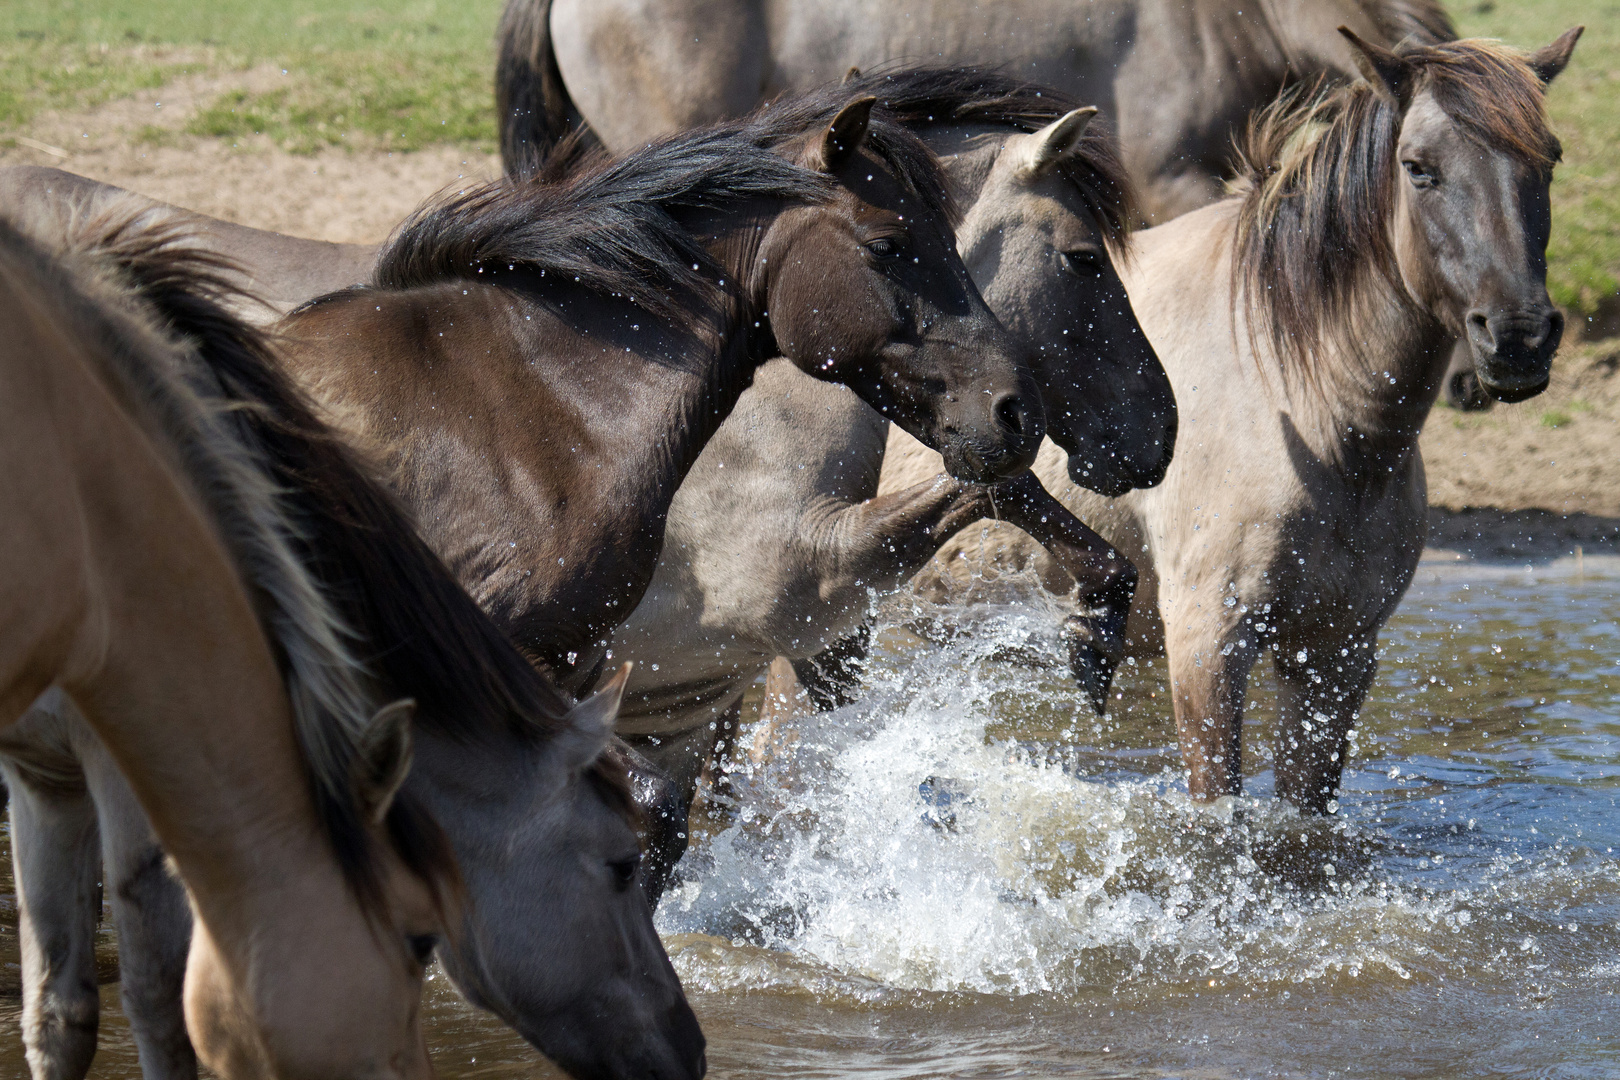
(969,875)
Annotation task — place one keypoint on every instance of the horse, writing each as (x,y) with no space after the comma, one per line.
(1179,78)
(152,571)
(554,845)
(1306,323)
(775,543)
(543,360)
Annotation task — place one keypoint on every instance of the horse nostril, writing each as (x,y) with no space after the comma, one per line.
(1479,331)
(1555,328)
(1008,409)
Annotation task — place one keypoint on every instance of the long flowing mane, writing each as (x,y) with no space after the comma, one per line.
(925,97)
(1317,174)
(613,225)
(359,609)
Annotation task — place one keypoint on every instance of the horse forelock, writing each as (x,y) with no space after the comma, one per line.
(922,97)
(1316,179)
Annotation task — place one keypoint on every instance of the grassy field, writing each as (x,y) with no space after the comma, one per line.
(397,77)
(418,72)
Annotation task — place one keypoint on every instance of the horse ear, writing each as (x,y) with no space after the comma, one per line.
(1389,73)
(1040,152)
(384,757)
(850,76)
(1549,60)
(590,723)
(845,133)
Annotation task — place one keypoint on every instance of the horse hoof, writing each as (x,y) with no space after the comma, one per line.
(1095,650)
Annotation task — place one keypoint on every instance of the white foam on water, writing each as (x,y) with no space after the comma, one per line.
(896,844)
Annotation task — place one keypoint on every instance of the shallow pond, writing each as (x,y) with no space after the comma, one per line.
(968,874)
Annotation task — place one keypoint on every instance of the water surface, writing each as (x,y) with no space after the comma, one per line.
(969,874)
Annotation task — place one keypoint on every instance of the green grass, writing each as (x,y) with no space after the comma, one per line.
(1584,104)
(1555,418)
(402,76)
(418,72)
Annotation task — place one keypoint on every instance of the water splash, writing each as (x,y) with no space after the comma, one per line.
(915,841)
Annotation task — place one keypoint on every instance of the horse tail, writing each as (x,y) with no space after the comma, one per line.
(531,102)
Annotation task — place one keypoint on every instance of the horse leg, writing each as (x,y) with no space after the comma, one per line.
(1107,580)
(1322,688)
(1209,658)
(665,807)
(57,864)
(153,918)
(831,679)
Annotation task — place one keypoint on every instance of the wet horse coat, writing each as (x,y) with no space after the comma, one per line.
(543,363)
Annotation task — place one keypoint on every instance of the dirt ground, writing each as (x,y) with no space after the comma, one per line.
(1542,476)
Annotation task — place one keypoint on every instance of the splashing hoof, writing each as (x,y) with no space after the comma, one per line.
(1095,650)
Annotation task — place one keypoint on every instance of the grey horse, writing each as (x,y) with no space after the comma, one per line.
(1179,76)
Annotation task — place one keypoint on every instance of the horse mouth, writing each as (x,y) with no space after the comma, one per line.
(1510,394)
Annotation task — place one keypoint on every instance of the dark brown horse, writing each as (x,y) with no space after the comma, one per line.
(543,360)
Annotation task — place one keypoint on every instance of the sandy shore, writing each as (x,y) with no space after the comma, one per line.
(1535,480)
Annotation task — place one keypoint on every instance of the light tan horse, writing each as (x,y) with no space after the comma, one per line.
(1306,323)
(142,553)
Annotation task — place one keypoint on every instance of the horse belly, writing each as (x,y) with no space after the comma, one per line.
(1062,43)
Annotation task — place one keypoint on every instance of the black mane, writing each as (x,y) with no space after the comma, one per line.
(615,225)
(422,636)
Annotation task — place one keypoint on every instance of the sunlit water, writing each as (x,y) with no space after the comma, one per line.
(967,874)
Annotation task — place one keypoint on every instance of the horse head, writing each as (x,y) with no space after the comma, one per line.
(1473,161)
(557,938)
(866,288)
(1038,241)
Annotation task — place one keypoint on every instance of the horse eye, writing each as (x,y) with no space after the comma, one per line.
(422,946)
(624,870)
(1420,177)
(1081,262)
(884,247)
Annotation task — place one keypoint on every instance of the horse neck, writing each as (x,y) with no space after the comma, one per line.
(733,341)
(185,690)
(1363,402)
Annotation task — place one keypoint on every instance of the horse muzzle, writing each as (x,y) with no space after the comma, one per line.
(1002,445)
(1513,350)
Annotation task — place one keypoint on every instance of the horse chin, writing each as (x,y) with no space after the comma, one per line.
(1112,482)
(1512,393)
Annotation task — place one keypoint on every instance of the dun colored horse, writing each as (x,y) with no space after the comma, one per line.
(1179,77)
(1306,323)
(553,847)
(152,570)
